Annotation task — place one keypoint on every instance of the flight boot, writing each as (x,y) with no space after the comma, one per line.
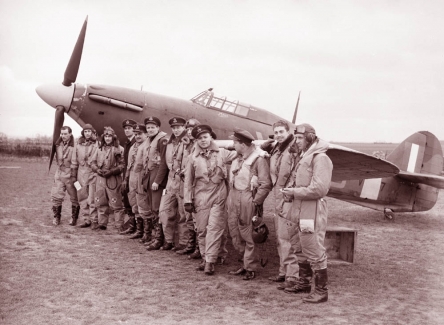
(147,229)
(57,210)
(302,284)
(132,226)
(158,237)
(75,215)
(196,254)
(209,268)
(191,244)
(320,292)
(139,229)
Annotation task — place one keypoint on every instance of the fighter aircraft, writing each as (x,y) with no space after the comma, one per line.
(408,180)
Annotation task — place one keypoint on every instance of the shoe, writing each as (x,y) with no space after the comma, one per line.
(286,284)
(167,246)
(279,278)
(249,275)
(209,268)
(73,221)
(102,227)
(240,271)
(94,226)
(56,221)
(201,266)
(86,224)
(195,256)
(220,260)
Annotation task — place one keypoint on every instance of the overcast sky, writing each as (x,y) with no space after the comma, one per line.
(367,70)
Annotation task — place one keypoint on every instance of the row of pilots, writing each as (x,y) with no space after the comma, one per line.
(184,189)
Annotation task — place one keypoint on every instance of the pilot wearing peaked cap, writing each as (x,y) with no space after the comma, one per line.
(175,121)
(153,120)
(202,128)
(129,122)
(140,128)
(242,136)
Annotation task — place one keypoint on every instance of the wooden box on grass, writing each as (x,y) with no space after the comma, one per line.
(340,243)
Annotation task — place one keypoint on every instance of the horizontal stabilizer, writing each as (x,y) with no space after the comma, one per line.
(349,164)
(431,180)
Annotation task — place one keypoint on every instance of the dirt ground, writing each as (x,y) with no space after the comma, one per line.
(68,275)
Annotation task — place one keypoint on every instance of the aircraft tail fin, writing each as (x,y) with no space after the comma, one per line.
(420,153)
(420,159)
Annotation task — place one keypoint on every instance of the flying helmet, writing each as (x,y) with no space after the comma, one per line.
(260,233)
(191,123)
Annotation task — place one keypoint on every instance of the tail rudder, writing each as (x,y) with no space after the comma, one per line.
(419,153)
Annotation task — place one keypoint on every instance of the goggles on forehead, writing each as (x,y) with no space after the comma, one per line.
(300,129)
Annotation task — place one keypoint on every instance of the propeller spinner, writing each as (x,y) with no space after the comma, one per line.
(60,96)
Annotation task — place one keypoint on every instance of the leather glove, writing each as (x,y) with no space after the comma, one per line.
(189,207)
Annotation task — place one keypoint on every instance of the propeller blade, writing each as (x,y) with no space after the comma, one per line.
(58,123)
(74,63)
(296,109)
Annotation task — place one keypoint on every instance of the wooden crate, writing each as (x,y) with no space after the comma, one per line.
(340,243)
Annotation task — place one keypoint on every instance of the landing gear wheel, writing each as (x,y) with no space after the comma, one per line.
(389,214)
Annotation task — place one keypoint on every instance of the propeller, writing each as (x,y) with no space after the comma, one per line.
(58,123)
(296,109)
(74,62)
(70,77)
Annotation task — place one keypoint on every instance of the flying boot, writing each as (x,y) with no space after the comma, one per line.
(139,229)
(132,226)
(303,282)
(320,293)
(191,244)
(57,210)
(147,229)
(158,237)
(196,254)
(75,215)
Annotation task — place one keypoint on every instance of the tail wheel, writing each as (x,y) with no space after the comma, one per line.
(389,214)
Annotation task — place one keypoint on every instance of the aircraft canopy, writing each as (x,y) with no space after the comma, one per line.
(208,99)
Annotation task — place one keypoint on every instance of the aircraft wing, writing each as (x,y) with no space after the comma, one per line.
(350,164)
(427,179)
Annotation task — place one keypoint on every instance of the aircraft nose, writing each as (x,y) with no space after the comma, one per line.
(56,94)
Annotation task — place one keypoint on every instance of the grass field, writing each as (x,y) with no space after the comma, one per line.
(68,275)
